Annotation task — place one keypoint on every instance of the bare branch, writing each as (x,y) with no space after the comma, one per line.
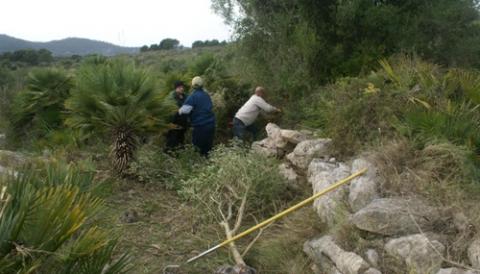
(233,248)
(250,245)
(241,212)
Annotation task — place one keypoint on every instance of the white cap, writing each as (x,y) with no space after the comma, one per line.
(197,81)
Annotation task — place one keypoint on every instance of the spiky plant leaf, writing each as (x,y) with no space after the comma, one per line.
(118,101)
(47,227)
(40,107)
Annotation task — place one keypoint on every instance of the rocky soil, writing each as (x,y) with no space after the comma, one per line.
(400,229)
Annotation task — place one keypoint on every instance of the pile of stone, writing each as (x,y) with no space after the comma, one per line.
(404,226)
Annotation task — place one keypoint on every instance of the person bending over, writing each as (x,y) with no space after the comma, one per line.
(245,117)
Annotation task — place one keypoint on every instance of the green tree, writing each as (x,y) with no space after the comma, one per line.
(117,100)
(169,43)
(319,40)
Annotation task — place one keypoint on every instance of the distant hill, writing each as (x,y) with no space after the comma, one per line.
(65,47)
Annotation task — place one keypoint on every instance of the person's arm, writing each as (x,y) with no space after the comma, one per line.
(187,106)
(264,105)
(185,109)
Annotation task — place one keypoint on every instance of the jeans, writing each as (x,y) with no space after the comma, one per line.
(240,130)
(202,138)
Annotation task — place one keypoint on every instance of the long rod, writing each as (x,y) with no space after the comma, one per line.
(281,214)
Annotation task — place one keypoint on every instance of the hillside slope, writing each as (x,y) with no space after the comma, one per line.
(68,46)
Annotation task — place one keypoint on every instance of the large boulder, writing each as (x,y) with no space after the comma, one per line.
(395,216)
(307,150)
(345,262)
(418,252)
(363,189)
(474,253)
(330,207)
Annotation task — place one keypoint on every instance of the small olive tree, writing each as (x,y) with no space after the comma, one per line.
(235,187)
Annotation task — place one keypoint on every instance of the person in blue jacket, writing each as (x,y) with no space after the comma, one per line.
(200,108)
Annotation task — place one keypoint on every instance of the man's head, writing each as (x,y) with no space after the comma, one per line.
(260,91)
(179,86)
(197,82)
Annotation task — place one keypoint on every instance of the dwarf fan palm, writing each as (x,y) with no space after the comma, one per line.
(117,100)
(42,103)
(47,228)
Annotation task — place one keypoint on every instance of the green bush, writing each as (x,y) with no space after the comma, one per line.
(40,107)
(406,96)
(152,165)
(231,174)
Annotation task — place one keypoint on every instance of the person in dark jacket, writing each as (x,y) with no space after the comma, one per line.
(200,108)
(176,136)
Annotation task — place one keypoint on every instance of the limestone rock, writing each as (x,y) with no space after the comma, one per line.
(372,257)
(417,252)
(306,150)
(372,271)
(321,175)
(474,253)
(266,147)
(461,222)
(7,172)
(12,159)
(293,136)
(363,189)
(455,270)
(287,172)
(345,262)
(275,135)
(393,216)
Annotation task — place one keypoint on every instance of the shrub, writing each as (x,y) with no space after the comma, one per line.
(117,100)
(47,226)
(233,173)
(40,107)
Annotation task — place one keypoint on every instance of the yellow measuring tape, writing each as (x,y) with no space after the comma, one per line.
(281,214)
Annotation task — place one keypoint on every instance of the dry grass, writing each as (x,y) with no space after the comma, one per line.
(167,231)
(170,231)
(280,249)
(443,175)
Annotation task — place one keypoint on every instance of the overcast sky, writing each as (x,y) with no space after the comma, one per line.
(122,22)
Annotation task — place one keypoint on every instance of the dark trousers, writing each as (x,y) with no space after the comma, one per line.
(175,139)
(202,138)
(240,129)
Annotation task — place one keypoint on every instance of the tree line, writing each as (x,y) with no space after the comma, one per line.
(171,43)
(313,42)
(27,56)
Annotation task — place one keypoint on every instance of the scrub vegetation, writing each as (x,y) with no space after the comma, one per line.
(95,193)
